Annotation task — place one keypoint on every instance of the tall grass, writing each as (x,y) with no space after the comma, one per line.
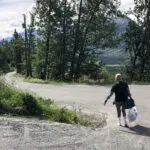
(15,102)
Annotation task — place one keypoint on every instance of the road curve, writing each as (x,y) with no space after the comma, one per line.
(34,134)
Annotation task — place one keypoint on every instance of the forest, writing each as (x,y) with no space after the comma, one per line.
(64,38)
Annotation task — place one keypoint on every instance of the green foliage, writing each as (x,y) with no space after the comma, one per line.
(17,48)
(84,79)
(104,73)
(55,82)
(36,80)
(67,116)
(15,102)
(137,42)
(104,76)
(4,57)
(67,28)
(31,105)
(67,39)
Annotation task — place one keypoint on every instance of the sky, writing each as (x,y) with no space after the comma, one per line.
(11,14)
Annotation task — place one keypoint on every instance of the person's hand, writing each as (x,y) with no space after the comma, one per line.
(105,102)
(114,102)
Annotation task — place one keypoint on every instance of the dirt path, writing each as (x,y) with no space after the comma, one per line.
(34,134)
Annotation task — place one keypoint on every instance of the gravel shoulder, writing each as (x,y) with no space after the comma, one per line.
(19,133)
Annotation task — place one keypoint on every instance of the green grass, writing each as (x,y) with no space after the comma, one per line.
(82,80)
(54,82)
(87,80)
(18,103)
(40,81)
(107,78)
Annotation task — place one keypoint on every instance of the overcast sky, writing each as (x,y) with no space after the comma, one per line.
(11,14)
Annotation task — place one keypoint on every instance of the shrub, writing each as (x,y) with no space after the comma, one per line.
(67,116)
(31,105)
(105,74)
(84,79)
(19,103)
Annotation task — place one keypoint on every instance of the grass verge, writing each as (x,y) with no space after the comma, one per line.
(82,80)
(40,81)
(15,102)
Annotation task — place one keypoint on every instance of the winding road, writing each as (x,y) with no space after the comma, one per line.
(33,134)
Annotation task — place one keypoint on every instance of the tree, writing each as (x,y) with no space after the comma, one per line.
(76,40)
(24,25)
(64,37)
(44,12)
(95,9)
(66,29)
(55,28)
(133,39)
(139,49)
(29,42)
(17,49)
(5,56)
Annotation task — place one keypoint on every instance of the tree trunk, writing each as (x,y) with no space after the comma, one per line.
(31,42)
(26,46)
(81,53)
(83,45)
(46,55)
(47,44)
(29,55)
(63,54)
(76,43)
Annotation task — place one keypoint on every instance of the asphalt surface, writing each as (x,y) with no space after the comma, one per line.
(21,134)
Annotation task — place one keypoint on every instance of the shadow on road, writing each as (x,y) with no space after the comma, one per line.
(139,130)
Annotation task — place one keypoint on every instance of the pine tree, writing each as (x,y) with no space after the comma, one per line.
(5,57)
(17,48)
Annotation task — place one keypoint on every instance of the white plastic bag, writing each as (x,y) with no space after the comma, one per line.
(132,114)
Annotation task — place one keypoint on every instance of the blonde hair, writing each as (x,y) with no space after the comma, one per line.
(117,76)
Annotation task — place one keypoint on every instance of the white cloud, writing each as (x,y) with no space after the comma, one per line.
(126,5)
(11,15)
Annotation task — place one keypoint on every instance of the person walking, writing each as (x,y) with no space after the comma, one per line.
(122,92)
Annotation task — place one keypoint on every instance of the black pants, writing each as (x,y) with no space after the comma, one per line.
(120,107)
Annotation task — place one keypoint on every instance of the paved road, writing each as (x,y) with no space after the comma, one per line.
(34,134)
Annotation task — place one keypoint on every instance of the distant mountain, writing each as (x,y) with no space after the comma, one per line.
(122,24)
(117,56)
